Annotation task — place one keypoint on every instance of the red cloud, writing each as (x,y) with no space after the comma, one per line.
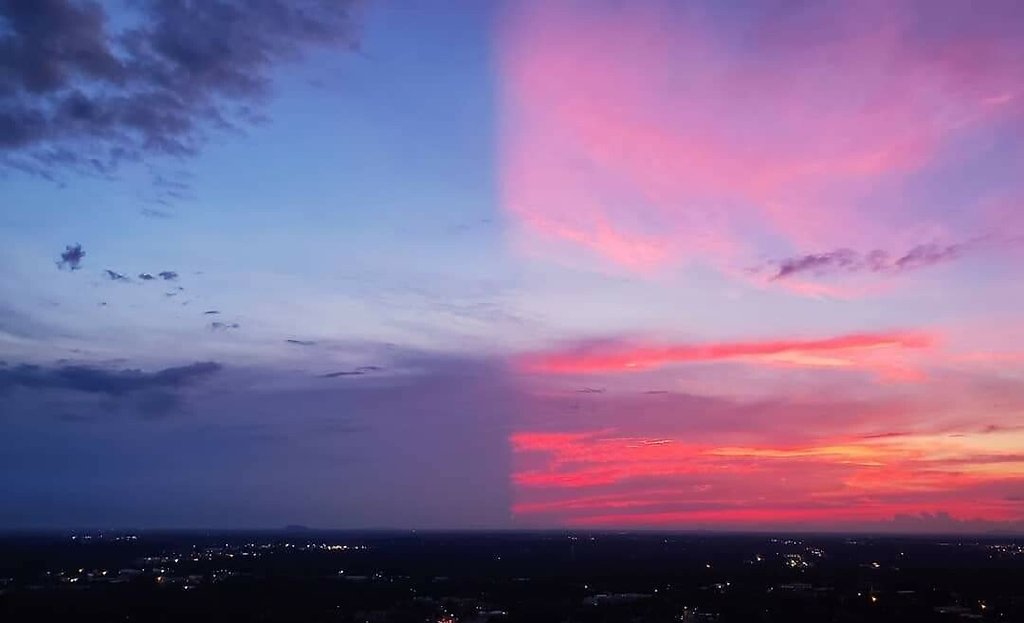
(843,350)
(604,478)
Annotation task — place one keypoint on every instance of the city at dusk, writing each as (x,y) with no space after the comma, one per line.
(567,267)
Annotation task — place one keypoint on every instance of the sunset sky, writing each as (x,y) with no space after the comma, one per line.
(584,264)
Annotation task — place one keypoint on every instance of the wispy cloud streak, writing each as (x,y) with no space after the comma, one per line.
(613,357)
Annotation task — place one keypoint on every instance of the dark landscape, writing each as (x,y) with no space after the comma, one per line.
(303,575)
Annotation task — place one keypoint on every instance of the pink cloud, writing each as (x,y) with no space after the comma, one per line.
(604,478)
(648,135)
(842,455)
(857,350)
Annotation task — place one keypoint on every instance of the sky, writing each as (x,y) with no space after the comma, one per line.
(512,265)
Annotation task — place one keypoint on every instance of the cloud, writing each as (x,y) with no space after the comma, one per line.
(168,275)
(211,312)
(301,342)
(71,258)
(598,162)
(77,93)
(842,258)
(361,370)
(223,326)
(447,413)
(611,357)
(789,457)
(94,380)
(146,277)
(334,375)
(152,213)
(95,392)
(617,476)
(941,522)
(924,255)
(116,276)
(877,261)
(677,460)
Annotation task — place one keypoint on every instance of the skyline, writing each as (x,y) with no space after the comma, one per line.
(512,265)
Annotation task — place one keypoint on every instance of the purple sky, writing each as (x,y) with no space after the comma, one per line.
(750,265)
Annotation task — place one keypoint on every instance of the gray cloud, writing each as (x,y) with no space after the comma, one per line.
(76,94)
(301,342)
(877,261)
(71,258)
(115,276)
(943,523)
(334,375)
(223,326)
(211,312)
(91,393)
(927,255)
(833,260)
(168,275)
(95,380)
(146,277)
(361,370)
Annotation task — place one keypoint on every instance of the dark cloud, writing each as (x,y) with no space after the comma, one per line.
(877,261)
(168,275)
(839,259)
(884,435)
(301,342)
(71,258)
(146,277)
(927,255)
(334,375)
(943,523)
(102,381)
(590,390)
(223,326)
(211,312)
(361,370)
(77,94)
(91,393)
(116,276)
